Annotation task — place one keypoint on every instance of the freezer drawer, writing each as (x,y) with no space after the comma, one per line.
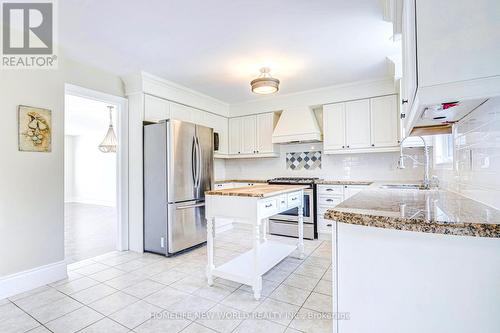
(186,225)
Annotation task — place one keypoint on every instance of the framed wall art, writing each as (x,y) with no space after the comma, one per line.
(35,129)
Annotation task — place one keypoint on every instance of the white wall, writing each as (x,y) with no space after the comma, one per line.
(477,156)
(372,166)
(93,177)
(32,184)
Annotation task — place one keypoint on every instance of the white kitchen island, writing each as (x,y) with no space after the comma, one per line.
(253,206)
(415,261)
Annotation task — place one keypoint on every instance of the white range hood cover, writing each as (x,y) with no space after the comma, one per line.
(297,125)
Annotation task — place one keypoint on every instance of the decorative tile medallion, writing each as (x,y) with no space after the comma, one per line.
(304,160)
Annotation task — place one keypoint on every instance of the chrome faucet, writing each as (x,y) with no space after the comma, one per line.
(401,161)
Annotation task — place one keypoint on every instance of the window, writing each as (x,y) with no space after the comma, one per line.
(443,150)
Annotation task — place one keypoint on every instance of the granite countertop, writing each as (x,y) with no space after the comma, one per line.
(342,182)
(257,191)
(240,181)
(430,211)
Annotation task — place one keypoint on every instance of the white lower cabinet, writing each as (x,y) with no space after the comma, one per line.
(330,196)
(242,184)
(221,186)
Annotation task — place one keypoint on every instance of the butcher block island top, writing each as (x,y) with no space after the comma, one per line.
(257,191)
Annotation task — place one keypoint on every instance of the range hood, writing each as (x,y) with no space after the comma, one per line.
(297,125)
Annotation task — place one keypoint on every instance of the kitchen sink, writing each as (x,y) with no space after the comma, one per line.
(404,186)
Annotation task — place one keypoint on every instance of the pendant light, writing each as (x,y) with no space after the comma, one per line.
(108,145)
(265,83)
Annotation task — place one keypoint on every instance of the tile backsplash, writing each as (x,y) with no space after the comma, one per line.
(370,166)
(308,160)
(476,168)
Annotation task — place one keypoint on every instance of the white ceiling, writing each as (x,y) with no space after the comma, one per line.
(216,47)
(84,116)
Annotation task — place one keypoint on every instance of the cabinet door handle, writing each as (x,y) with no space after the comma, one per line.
(343,146)
(283,201)
(329,225)
(293,199)
(329,189)
(373,145)
(329,200)
(347,146)
(404,101)
(268,206)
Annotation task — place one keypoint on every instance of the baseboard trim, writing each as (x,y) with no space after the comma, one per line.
(20,282)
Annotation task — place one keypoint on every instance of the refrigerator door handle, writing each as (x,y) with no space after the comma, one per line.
(198,163)
(193,160)
(190,206)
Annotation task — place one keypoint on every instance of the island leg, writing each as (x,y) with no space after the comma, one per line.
(264,229)
(300,244)
(257,279)
(210,250)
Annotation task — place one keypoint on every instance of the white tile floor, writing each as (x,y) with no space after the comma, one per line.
(119,291)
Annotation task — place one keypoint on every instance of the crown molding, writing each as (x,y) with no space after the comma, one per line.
(147,83)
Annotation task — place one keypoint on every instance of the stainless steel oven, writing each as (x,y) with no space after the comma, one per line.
(285,223)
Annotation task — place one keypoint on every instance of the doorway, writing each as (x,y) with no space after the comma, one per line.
(96,177)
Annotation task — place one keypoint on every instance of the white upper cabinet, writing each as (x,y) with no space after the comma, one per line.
(457,40)
(357,115)
(451,52)
(248,134)
(409,48)
(251,136)
(334,126)
(265,127)
(155,108)
(366,125)
(181,112)
(220,126)
(235,136)
(384,121)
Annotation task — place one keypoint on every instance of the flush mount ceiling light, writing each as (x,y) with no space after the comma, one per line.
(265,83)
(108,145)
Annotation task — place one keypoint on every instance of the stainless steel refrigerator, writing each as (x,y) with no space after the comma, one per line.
(178,169)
